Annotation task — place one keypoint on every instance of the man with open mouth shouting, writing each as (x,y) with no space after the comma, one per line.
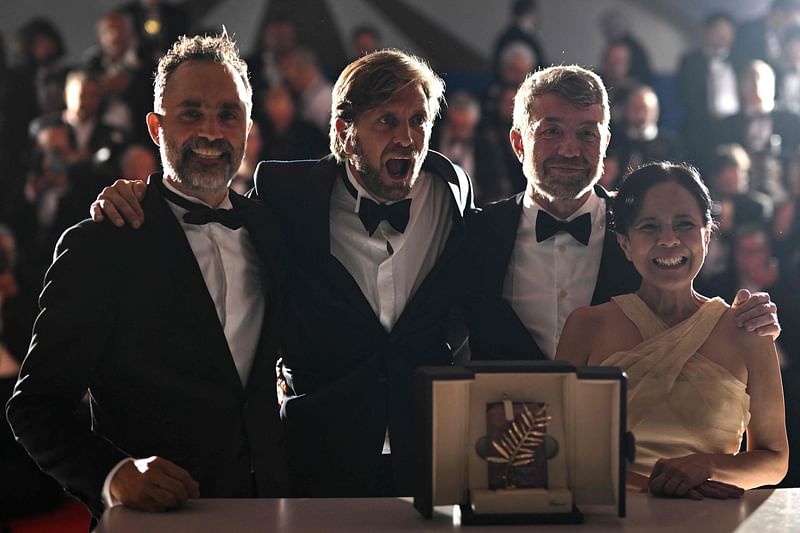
(374,231)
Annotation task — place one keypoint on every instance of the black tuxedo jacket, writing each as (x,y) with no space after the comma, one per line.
(125,314)
(692,79)
(351,378)
(700,131)
(495,330)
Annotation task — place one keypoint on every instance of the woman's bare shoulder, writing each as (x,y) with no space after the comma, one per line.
(594,315)
(738,340)
(584,332)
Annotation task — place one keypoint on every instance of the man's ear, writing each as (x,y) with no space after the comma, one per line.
(516,144)
(342,132)
(247,131)
(153,125)
(607,140)
(625,245)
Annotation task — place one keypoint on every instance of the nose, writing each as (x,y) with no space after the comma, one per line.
(210,128)
(667,237)
(402,135)
(569,146)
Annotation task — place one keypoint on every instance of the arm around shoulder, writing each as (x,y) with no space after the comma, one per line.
(767,428)
(766,460)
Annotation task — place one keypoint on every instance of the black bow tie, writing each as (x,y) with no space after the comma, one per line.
(371,213)
(547,226)
(200,214)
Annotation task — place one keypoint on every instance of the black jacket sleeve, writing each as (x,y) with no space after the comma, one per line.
(69,338)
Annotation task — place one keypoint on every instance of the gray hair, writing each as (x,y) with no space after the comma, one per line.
(581,87)
(217,48)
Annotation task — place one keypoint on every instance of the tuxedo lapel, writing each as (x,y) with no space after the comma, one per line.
(416,304)
(461,200)
(504,227)
(262,227)
(503,223)
(314,220)
(495,329)
(263,231)
(188,280)
(314,236)
(455,177)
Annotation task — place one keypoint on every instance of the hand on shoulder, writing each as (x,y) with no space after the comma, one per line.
(755,312)
(120,203)
(738,340)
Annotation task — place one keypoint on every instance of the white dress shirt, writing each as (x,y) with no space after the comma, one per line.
(790,89)
(548,280)
(233,273)
(723,89)
(389,266)
(82,129)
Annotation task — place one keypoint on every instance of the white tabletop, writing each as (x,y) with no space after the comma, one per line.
(758,511)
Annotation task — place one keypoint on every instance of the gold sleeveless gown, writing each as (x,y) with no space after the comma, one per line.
(679,402)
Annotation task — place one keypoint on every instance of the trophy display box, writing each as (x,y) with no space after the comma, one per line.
(521,442)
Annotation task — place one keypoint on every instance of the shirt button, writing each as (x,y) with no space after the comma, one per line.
(562,294)
(561,247)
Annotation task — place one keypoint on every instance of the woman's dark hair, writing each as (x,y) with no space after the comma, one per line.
(28,32)
(631,193)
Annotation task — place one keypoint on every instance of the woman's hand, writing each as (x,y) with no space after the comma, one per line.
(717,490)
(688,477)
(636,482)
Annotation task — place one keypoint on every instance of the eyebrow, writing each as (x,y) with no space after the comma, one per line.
(559,120)
(679,216)
(197,104)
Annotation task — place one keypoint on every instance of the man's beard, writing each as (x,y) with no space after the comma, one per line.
(371,176)
(562,187)
(199,177)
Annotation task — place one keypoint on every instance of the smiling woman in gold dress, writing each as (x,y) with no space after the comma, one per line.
(696,382)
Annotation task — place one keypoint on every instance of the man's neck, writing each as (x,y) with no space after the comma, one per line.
(356,178)
(212,198)
(560,208)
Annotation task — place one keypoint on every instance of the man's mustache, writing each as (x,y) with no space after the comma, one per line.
(218,144)
(567,162)
(400,152)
